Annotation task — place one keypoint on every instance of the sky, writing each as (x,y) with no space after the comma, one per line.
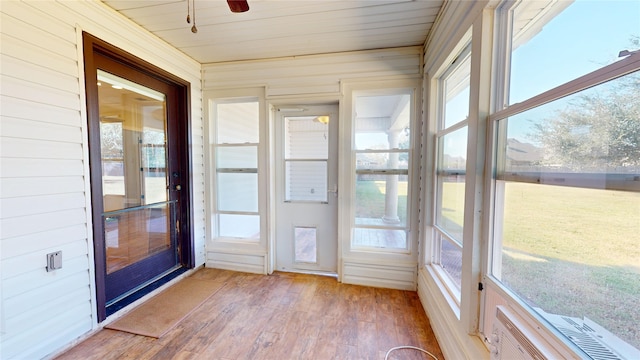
(587,35)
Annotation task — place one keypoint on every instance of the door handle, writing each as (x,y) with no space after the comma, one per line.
(334,190)
(178,187)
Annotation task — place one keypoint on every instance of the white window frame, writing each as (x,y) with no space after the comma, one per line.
(211,98)
(496,177)
(348,171)
(434,234)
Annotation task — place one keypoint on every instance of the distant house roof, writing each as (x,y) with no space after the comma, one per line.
(523,153)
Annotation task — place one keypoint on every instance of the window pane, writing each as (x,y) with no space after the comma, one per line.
(306,181)
(562,245)
(381,200)
(237,123)
(237,157)
(451,259)
(237,192)
(541,58)
(382,122)
(239,226)
(450,217)
(452,162)
(456,89)
(379,238)
(380,160)
(596,131)
(556,246)
(453,151)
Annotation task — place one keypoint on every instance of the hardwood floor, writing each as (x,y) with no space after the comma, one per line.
(281,316)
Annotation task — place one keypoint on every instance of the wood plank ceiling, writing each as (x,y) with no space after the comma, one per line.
(282,28)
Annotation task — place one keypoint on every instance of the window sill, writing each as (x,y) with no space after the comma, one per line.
(446,287)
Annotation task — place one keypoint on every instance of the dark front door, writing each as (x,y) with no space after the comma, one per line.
(139,177)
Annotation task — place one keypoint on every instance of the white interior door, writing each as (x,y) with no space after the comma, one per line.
(306,188)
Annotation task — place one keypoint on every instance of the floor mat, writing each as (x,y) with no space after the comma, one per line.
(162,312)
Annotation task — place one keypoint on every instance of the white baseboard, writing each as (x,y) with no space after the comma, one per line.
(237,261)
(393,276)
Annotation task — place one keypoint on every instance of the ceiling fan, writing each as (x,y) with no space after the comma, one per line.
(236,6)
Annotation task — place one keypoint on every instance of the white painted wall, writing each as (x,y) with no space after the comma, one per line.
(44,171)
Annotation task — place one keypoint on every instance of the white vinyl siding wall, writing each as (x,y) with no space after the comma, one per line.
(44,178)
(313,74)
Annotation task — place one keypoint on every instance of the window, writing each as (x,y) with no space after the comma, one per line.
(567,180)
(451,161)
(235,148)
(382,155)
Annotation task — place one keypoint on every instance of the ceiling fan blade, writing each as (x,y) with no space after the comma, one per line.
(237,6)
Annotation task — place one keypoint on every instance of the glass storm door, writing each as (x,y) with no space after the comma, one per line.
(138,216)
(306,180)
(140,181)
(138,128)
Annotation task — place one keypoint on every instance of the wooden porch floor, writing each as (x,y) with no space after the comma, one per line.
(281,316)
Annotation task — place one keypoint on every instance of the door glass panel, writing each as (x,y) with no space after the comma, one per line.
(112,164)
(154,164)
(133,154)
(305,244)
(306,137)
(306,181)
(136,233)
(306,147)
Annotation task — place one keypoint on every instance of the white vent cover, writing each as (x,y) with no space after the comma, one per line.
(593,339)
(514,339)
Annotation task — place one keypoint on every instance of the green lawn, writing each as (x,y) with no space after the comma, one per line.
(569,251)
(452,209)
(370,199)
(575,252)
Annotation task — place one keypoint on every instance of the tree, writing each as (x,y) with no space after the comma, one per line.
(111,140)
(599,130)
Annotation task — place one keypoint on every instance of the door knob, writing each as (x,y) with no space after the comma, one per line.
(178,187)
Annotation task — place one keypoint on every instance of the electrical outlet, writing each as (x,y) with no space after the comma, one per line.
(54,261)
